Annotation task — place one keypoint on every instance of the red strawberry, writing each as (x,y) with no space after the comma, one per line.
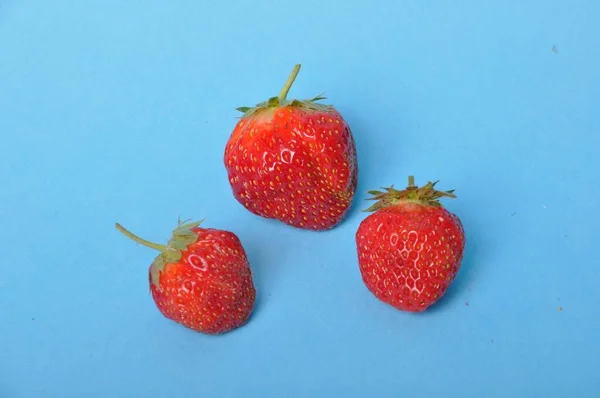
(410,248)
(294,161)
(201,278)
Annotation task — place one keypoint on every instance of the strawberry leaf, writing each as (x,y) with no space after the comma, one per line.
(282,101)
(318,98)
(181,237)
(273,101)
(425,195)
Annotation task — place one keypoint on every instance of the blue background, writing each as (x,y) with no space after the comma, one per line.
(120,110)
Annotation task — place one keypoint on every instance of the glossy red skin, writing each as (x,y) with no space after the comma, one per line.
(210,289)
(409,254)
(295,165)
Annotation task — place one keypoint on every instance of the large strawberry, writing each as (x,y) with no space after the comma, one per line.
(201,278)
(410,248)
(293,160)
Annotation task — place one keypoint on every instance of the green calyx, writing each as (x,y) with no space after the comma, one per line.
(181,237)
(426,195)
(282,101)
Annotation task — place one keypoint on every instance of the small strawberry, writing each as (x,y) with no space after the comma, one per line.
(410,248)
(201,278)
(293,160)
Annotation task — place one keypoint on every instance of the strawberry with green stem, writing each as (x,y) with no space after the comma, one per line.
(293,160)
(201,278)
(410,248)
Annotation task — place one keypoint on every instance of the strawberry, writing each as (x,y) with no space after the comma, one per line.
(410,248)
(201,279)
(293,160)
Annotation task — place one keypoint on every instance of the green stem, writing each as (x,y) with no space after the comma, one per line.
(139,240)
(284,91)
(411,181)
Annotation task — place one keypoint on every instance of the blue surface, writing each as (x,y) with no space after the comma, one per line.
(119,111)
